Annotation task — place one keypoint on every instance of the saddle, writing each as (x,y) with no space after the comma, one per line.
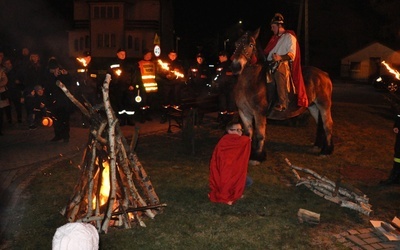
(292,110)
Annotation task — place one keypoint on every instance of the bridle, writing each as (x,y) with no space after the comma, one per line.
(243,44)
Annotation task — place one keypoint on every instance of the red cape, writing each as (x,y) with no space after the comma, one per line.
(228,168)
(297,74)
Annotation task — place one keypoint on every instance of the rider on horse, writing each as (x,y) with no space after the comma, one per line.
(283,56)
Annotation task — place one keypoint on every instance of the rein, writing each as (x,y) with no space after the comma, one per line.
(244,52)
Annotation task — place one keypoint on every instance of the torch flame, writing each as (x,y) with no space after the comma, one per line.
(165,66)
(83,61)
(118,72)
(391,70)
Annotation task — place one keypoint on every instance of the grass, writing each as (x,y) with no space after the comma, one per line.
(266,218)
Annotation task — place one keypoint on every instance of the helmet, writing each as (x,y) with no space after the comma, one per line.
(277,19)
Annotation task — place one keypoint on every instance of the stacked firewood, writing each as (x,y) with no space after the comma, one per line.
(344,195)
(114,188)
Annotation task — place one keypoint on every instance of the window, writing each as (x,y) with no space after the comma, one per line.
(106,40)
(96,12)
(87,42)
(100,41)
(81,43)
(105,12)
(76,45)
(116,12)
(355,66)
(130,42)
(137,44)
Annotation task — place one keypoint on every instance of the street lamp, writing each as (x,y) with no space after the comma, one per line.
(225,42)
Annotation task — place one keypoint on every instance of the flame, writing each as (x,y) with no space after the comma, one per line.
(105,186)
(391,70)
(165,66)
(118,72)
(83,61)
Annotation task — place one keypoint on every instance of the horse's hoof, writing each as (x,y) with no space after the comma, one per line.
(254,163)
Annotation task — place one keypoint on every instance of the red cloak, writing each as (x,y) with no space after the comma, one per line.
(228,168)
(297,74)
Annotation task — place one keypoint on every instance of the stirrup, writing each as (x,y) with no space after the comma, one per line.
(279,108)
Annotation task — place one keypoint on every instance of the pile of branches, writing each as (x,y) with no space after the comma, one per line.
(332,191)
(108,155)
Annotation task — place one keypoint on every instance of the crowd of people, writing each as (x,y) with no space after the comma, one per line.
(29,83)
(138,90)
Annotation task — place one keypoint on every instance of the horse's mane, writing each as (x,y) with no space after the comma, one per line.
(261,58)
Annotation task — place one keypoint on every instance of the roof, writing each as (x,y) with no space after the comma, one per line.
(375,49)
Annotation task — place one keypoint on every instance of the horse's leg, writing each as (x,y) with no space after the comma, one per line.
(259,153)
(247,121)
(323,119)
(327,122)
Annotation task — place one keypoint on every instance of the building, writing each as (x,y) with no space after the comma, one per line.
(102,27)
(365,63)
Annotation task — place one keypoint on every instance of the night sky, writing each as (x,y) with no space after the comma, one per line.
(336,28)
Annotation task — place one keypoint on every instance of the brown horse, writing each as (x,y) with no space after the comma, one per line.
(252,98)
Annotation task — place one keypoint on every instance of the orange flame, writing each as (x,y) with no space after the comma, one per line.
(83,61)
(105,186)
(391,70)
(165,66)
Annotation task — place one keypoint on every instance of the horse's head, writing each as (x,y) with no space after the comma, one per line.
(245,52)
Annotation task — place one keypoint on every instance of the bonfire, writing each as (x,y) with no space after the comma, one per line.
(114,188)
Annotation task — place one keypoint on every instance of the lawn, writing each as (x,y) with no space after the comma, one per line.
(266,218)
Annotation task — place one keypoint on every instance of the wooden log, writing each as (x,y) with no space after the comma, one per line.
(111,139)
(332,191)
(308,217)
(72,98)
(106,144)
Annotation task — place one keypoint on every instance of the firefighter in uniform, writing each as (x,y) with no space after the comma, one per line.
(394,177)
(144,77)
(86,88)
(172,80)
(222,84)
(122,89)
(199,77)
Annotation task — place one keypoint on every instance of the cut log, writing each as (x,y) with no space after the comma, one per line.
(307,216)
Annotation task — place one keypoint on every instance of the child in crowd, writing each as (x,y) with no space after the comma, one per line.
(36,106)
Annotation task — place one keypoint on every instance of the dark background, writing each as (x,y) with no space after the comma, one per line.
(336,28)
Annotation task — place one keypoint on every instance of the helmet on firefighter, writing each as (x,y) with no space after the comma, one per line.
(277,19)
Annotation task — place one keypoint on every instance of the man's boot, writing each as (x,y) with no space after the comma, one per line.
(394,177)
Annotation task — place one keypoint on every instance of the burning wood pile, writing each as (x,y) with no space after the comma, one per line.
(336,192)
(114,189)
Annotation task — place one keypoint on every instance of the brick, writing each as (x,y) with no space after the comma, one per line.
(368,247)
(390,245)
(377,246)
(356,240)
(372,240)
(365,230)
(353,231)
(367,235)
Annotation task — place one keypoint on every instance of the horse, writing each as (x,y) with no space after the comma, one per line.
(251,96)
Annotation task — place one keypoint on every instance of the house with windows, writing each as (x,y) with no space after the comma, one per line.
(102,27)
(366,63)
